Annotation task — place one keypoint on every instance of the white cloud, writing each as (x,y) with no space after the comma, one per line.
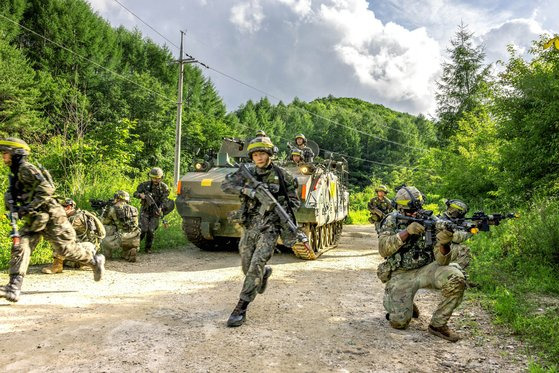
(300,7)
(247,16)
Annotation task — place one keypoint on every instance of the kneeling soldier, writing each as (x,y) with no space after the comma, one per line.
(410,265)
(121,224)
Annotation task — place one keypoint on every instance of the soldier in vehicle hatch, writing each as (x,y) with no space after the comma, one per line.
(261,223)
(301,144)
(30,197)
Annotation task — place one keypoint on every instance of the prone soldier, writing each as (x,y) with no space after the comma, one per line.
(261,222)
(379,206)
(154,195)
(31,198)
(411,264)
(88,229)
(121,224)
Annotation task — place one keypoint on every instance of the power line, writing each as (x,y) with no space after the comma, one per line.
(85,58)
(273,96)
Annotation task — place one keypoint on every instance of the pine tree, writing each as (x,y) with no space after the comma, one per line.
(462,83)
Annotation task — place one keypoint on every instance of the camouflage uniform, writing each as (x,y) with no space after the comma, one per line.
(261,231)
(306,152)
(459,252)
(411,266)
(121,224)
(378,209)
(46,218)
(151,213)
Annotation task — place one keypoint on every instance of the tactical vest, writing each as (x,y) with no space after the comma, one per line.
(128,216)
(413,254)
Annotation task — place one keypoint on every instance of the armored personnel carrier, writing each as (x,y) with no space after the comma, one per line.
(205,209)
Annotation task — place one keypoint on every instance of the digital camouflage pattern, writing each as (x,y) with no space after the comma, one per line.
(150,213)
(121,224)
(261,231)
(44,217)
(378,208)
(413,266)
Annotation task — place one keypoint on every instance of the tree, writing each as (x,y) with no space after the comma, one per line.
(463,82)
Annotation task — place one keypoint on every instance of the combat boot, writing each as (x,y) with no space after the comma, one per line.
(98,265)
(444,332)
(13,289)
(267,274)
(56,267)
(238,316)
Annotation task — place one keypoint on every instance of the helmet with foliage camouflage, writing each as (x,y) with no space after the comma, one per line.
(301,136)
(455,208)
(156,173)
(69,202)
(381,188)
(260,144)
(14,146)
(261,133)
(409,198)
(122,195)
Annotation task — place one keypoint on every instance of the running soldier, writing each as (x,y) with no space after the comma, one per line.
(154,195)
(88,229)
(30,197)
(121,224)
(261,224)
(410,265)
(379,206)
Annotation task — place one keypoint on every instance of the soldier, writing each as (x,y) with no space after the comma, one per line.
(154,195)
(297,157)
(262,225)
(379,206)
(301,144)
(410,266)
(121,224)
(459,253)
(88,229)
(30,195)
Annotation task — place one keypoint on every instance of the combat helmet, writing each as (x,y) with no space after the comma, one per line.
(260,144)
(69,202)
(409,198)
(261,133)
(15,146)
(156,173)
(122,195)
(381,188)
(455,208)
(301,136)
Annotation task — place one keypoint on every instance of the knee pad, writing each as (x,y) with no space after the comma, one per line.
(455,285)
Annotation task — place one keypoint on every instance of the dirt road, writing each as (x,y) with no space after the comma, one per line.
(168,313)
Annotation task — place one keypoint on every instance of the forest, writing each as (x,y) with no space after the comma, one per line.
(97,104)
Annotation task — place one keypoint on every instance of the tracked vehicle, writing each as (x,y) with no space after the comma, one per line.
(205,209)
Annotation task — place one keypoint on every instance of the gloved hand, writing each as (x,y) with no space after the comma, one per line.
(248,192)
(415,228)
(444,237)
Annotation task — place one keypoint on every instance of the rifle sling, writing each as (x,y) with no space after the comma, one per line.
(283,190)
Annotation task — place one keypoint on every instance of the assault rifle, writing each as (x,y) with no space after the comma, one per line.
(12,215)
(267,199)
(149,201)
(99,204)
(483,221)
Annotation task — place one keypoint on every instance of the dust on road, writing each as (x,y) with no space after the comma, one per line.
(168,311)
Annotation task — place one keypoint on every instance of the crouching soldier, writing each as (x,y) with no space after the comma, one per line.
(121,224)
(30,197)
(261,223)
(411,265)
(88,229)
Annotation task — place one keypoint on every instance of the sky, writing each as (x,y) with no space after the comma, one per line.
(386,52)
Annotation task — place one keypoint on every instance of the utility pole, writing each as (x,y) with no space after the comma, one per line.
(178,129)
